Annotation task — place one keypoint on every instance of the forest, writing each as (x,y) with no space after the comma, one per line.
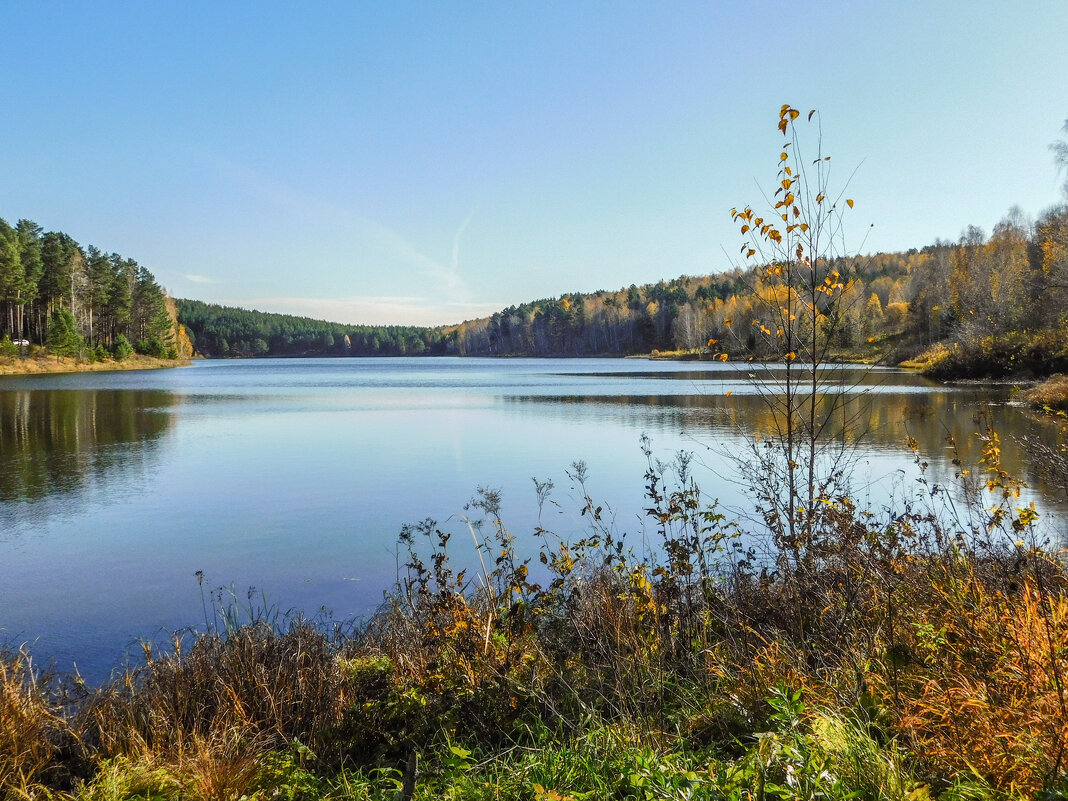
(983,305)
(79,301)
(992,303)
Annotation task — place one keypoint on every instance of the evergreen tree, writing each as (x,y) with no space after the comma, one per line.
(12,277)
(63,336)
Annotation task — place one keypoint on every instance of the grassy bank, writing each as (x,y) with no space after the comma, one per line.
(1018,354)
(47,363)
(902,655)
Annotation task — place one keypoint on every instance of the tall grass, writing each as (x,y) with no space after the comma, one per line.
(33,732)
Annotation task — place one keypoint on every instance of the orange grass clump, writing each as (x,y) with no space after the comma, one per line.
(985,692)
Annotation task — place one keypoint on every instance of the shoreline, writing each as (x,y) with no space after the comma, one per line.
(53,365)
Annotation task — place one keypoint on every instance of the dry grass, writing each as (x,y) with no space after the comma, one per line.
(1051,393)
(277,686)
(31,729)
(66,364)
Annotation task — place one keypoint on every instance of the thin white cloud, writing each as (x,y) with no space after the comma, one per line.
(453,275)
(392,247)
(198,279)
(395,248)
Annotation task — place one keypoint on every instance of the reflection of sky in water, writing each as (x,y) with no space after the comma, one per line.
(296,475)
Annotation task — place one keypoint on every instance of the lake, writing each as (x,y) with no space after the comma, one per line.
(294,476)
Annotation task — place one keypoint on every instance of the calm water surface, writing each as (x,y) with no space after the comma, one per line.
(294,476)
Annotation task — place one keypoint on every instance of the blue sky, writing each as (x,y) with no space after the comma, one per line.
(432,162)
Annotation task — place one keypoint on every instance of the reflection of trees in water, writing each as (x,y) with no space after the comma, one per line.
(945,424)
(60,441)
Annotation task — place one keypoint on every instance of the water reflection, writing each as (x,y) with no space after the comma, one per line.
(770,375)
(945,423)
(63,442)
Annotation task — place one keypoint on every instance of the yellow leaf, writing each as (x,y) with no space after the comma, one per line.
(849,203)
(782,125)
(723,357)
(727,322)
(794,113)
(730,392)
(712,342)
(745,228)
(783,156)
(819,198)
(750,254)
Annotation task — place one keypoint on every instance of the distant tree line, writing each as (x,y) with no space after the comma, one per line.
(226,331)
(78,300)
(1013,283)
(996,304)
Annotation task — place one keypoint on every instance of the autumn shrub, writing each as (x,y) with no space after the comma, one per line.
(437,658)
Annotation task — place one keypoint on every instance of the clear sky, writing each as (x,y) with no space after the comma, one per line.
(429,162)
